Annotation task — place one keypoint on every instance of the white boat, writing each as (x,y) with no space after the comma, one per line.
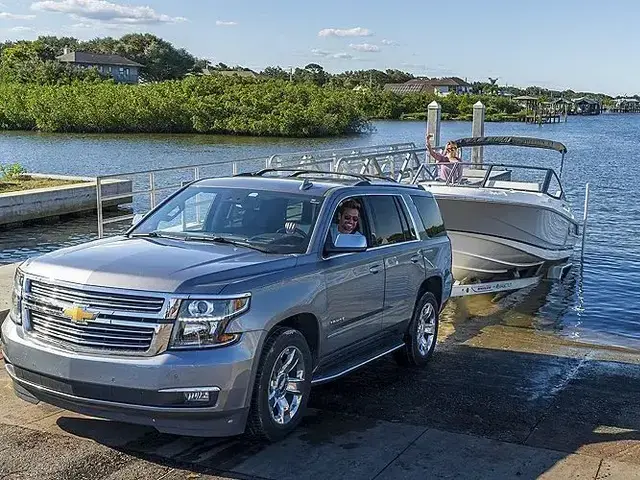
(503,227)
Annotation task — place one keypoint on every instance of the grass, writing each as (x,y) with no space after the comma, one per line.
(23,183)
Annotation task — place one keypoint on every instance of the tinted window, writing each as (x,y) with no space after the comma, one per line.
(430,216)
(387,227)
(407,223)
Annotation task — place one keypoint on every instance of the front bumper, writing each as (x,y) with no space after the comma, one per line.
(141,390)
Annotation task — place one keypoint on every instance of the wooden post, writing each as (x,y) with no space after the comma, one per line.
(434,114)
(477,130)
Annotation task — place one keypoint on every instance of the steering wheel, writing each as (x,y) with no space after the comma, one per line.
(296,230)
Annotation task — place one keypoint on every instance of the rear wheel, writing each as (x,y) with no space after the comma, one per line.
(282,386)
(422,333)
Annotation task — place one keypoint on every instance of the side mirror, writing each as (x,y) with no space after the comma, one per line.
(346,243)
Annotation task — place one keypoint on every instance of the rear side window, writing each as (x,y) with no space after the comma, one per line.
(386,224)
(430,215)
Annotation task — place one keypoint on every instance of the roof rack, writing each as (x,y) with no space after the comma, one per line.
(364,179)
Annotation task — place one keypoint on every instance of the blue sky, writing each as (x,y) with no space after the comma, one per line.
(556,44)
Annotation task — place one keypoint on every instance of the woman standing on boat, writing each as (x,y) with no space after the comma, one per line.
(448,171)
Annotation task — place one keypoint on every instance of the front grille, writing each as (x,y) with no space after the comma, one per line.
(45,293)
(124,323)
(99,334)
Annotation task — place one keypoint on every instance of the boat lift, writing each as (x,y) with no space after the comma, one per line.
(403,163)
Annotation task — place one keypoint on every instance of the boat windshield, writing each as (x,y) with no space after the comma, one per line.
(268,221)
(497,176)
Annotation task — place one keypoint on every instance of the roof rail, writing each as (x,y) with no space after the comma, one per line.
(298,172)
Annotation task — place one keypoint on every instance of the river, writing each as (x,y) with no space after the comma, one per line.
(595,303)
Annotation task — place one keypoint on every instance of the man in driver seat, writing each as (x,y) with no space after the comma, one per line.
(348,218)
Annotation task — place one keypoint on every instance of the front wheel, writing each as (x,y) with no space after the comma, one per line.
(282,386)
(422,333)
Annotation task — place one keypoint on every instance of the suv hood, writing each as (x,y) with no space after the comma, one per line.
(156,264)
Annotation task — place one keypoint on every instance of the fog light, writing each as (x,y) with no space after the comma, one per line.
(193,395)
(196,396)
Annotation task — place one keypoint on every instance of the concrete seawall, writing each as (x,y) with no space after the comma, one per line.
(23,206)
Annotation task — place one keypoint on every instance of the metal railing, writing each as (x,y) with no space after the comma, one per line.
(125,191)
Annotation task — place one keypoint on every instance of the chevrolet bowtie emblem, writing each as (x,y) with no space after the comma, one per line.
(78,314)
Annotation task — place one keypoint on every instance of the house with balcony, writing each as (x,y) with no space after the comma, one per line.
(120,68)
(439,86)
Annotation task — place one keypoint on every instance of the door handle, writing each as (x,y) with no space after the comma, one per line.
(375,269)
(416,258)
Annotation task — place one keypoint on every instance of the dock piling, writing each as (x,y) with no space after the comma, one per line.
(477,130)
(434,116)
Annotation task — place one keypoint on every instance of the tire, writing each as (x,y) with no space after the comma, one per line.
(420,340)
(271,422)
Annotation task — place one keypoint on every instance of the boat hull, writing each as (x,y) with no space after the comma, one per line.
(496,237)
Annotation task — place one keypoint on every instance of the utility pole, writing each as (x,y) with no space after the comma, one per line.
(290,74)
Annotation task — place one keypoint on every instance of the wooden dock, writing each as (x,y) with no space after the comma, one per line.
(541,118)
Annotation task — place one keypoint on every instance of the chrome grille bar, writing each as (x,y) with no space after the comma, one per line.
(61,330)
(42,292)
(88,331)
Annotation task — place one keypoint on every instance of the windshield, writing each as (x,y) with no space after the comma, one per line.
(273,222)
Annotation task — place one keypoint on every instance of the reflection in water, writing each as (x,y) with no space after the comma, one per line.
(551,306)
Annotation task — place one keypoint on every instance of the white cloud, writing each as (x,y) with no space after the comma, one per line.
(389,42)
(419,66)
(221,23)
(348,32)
(365,47)
(105,11)
(102,25)
(323,53)
(15,16)
(21,29)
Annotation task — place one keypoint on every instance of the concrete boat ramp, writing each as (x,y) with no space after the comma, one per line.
(496,402)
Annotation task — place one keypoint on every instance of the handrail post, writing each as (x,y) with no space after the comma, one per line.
(585,217)
(99,206)
(152,189)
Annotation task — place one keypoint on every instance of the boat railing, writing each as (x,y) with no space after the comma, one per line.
(492,175)
(144,189)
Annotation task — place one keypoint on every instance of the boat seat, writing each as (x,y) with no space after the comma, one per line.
(527,186)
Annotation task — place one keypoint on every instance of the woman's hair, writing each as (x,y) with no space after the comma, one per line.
(453,146)
(348,204)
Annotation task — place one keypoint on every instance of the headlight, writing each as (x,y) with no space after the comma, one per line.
(202,323)
(15,314)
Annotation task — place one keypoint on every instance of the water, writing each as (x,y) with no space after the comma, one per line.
(596,303)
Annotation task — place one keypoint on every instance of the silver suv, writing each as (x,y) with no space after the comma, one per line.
(217,312)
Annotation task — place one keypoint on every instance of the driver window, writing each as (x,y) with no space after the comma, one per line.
(348,218)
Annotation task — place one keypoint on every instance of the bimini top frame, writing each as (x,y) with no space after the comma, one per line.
(512,141)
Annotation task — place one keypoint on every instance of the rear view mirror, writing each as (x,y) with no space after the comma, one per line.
(348,243)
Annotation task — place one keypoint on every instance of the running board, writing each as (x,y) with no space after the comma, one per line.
(493,287)
(332,374)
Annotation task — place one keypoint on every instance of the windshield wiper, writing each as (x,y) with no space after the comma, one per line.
(229,241)
(157,234)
